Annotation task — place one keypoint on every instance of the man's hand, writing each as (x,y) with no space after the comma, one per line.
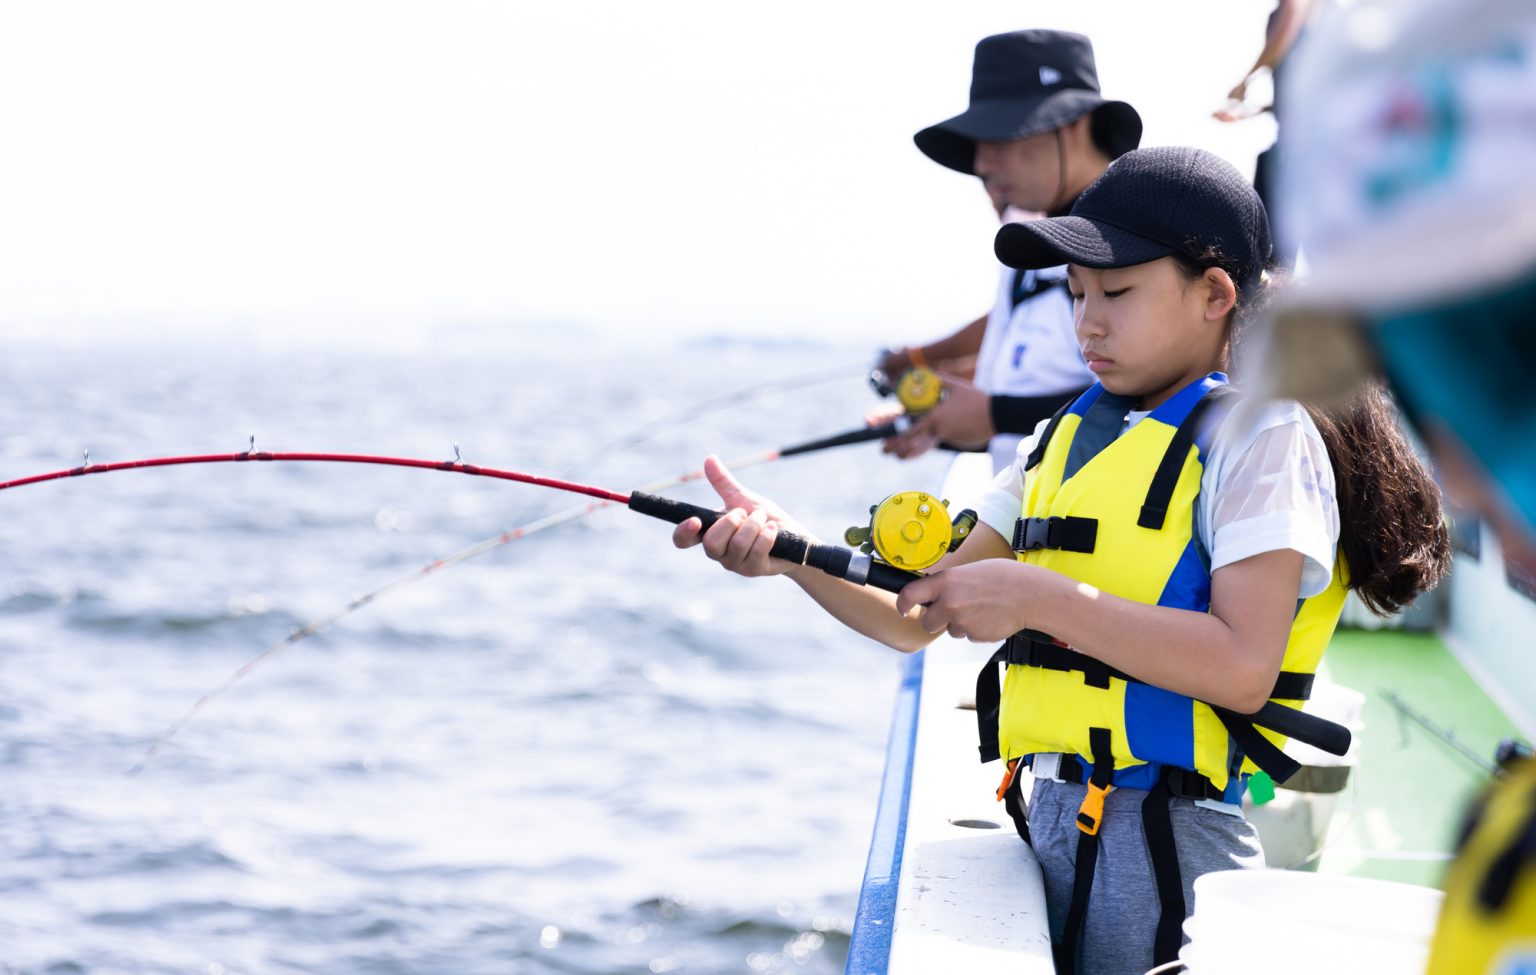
(963,418)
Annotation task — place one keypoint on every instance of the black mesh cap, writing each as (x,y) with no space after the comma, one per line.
(1151,203)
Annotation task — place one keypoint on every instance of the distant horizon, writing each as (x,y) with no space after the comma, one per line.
(380,171)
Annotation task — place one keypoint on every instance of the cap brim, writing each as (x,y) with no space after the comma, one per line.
(1073,240)
(952,142)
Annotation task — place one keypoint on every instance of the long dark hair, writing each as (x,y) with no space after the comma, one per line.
(1392,530)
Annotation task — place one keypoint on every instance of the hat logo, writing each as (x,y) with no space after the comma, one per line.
(1049,75)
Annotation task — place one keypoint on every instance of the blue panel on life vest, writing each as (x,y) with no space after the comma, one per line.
(1189,585)
(1157,724)
(1177,406)
(1081,405)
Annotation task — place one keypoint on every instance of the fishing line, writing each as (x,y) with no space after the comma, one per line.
(506,537)
(642,497)
(859,568)
(320,623)
(646,432)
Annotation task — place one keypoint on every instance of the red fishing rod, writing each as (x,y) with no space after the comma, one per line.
(860,435)
(856,567)
(843,563)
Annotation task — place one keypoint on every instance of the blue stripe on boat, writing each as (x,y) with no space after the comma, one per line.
(869,947)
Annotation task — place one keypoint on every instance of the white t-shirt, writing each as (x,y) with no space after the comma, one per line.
(1267,485)
(1030,349)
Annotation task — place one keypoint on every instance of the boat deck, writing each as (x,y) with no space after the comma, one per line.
(961,892)
(1398,819)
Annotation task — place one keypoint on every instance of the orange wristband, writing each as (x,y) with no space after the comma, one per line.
(916,357)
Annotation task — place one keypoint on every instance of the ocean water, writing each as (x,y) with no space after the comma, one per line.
(583,752)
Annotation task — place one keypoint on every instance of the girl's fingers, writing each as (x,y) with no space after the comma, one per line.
(758,556)
(925,596)
(688,533)
(718,539)
(724,483)
(918,592)
(739,548)
(935,619)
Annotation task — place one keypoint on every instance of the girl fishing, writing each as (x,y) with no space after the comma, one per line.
(1163,560)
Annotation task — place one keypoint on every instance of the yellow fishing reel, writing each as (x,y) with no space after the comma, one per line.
(911,530)
(919,389)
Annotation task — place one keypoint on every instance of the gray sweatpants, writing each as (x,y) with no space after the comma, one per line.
(1123,908)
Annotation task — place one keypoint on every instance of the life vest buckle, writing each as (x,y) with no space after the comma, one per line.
(1068,534)
(1091,813)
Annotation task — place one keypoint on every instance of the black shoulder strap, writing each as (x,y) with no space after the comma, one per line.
(1154,510)
(1028,284)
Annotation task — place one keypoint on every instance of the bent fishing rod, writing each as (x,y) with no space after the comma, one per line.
(832,559)
(505,537)
(857,567)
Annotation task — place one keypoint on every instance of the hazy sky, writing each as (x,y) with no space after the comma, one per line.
(379,168)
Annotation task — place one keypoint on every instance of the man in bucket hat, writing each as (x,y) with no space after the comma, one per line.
(1037,132)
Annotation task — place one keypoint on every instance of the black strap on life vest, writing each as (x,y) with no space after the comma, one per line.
(1070,534)
(989,697)
(1013,802)
(1260,750)
(1504,871)
(1157,826)
(1031,648)
(1154,510)
(1182,783)
(1028,284)
(1066,952)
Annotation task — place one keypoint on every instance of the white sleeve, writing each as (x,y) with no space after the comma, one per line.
(999,508)
(1273,490)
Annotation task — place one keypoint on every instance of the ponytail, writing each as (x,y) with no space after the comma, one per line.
(1392,531)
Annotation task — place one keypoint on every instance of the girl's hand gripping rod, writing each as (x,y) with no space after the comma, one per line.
(856,567)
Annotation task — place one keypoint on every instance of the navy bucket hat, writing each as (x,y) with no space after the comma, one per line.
(1152,203)
(1025,83)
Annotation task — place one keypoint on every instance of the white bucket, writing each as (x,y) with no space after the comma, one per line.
(1283,921)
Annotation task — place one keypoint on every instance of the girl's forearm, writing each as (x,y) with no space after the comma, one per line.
(1202,655)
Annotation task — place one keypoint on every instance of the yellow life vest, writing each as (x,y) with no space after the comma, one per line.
(1488,923)
(1116,511)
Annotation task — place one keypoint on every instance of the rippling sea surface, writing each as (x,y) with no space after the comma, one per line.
(583,752)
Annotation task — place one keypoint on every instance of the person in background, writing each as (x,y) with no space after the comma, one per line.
(1037,132)
(1409,183)
(1284,26)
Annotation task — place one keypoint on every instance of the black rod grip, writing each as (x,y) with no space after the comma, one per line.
(888,577)
(831,559)
(862,435)
(837,561)
(1329,736)
(787,546)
